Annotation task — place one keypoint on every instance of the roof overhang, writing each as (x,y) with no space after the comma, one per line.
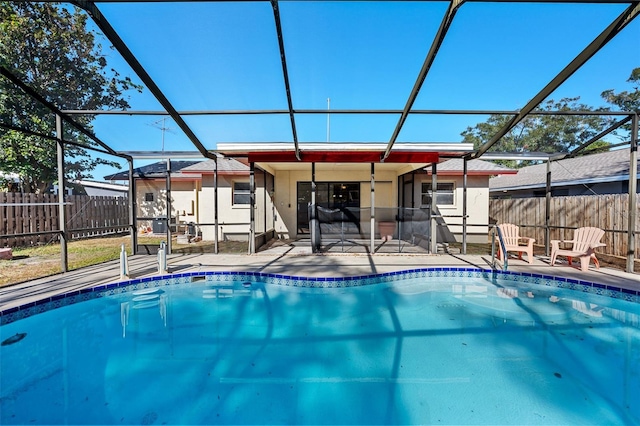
(518,156)
(345,152)
(162,155)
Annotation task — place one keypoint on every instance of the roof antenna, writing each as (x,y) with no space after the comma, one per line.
(328,119)
(158,125)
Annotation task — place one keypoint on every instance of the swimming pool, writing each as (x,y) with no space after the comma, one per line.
(439,345)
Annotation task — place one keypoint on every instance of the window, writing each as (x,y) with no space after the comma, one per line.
(148,196)
(241,193)
(444,194)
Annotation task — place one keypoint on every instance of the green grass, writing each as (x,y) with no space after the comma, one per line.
(36,262)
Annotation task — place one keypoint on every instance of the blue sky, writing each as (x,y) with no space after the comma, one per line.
(362,55)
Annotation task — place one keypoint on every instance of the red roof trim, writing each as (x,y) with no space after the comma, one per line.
(343,157)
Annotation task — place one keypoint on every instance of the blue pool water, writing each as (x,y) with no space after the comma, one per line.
(425,347)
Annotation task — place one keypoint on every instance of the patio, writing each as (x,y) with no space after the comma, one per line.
(293,259)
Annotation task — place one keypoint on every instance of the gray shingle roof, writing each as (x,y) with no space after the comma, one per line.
(224,165)
(477,166)
(153,170)
(159,169)
(603,167)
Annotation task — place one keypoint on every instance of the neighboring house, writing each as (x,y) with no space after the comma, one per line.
(191,194)
(604,173)
(103,189)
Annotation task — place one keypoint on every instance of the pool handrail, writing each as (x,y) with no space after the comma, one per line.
(505,262)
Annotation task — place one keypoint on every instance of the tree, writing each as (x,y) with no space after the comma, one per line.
(539,133)
(625,101)
(51,49)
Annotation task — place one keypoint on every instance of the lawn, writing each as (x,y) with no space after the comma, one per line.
(36,262)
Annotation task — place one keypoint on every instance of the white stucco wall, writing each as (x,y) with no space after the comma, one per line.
(477,205)
(193,201)
(233,220)
(183,200)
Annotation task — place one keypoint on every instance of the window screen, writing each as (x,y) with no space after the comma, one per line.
(241,193)
(444,195)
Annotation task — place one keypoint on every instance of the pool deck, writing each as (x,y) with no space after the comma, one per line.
(294,260)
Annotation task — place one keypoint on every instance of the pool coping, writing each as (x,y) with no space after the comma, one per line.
(16,313)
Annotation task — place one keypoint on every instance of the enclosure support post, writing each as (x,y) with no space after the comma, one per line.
(547,210)
(168,197)
(64,263)
(413,189)
(313,220)
(252,206)
(400,196)
(373,209)
(215,206)
(133,209)
(434,223)
(464,205)
(264,200)
(633,186)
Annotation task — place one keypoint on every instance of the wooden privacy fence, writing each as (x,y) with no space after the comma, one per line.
(608,212)
(37,214)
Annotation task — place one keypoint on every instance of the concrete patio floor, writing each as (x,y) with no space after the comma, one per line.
(294,259)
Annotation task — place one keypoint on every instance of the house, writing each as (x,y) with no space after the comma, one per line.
(350,181)
(603,173)
(347,183)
